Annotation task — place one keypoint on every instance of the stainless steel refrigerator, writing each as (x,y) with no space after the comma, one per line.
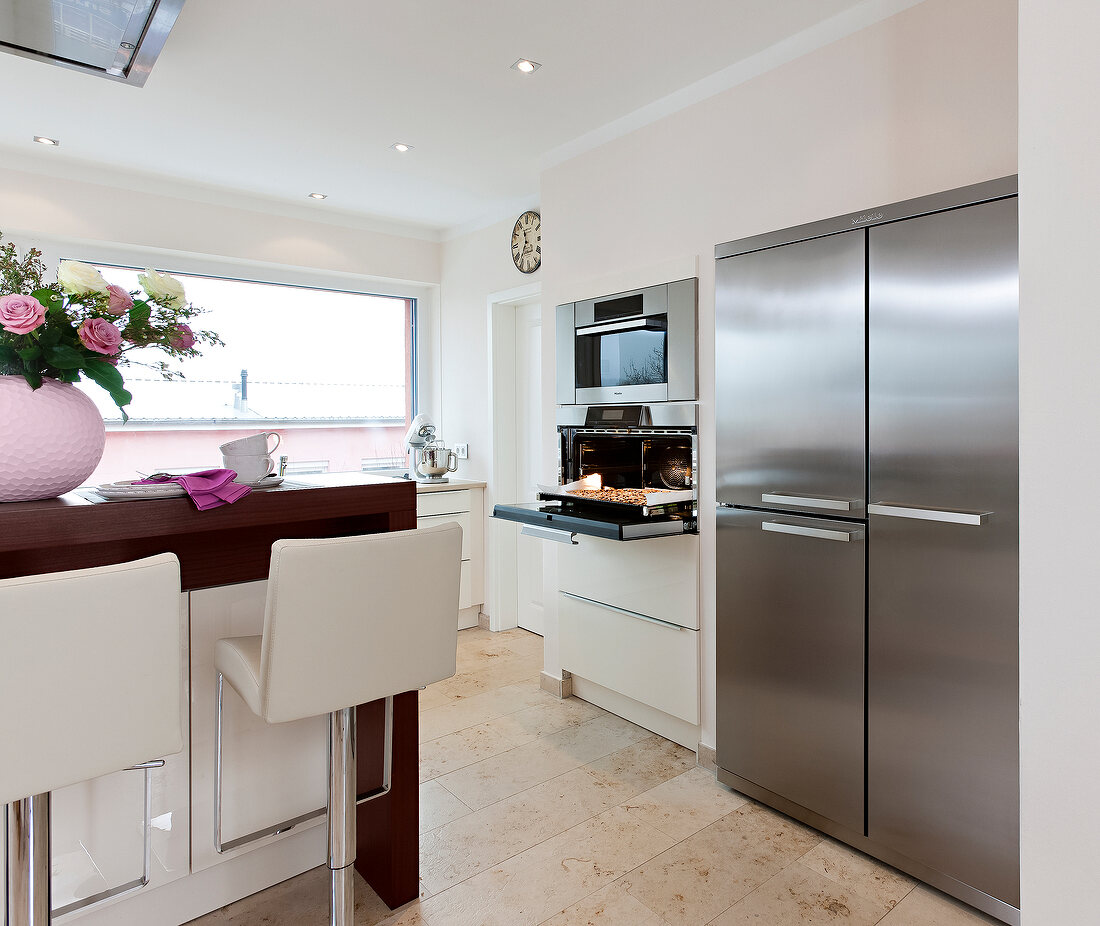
(867,475)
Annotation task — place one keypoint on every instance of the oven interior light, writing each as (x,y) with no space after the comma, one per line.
(594,481)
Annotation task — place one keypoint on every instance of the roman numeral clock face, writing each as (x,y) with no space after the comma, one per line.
(527,242)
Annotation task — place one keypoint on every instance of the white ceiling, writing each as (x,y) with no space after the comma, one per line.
(276,98)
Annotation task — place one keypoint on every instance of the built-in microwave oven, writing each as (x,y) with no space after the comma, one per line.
(638,346)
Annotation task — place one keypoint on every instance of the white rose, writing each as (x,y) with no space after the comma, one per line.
(79,279)
(163,288)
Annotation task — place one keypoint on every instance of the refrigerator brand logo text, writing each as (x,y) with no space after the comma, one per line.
(868,217)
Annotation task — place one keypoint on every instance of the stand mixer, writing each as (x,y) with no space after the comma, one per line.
(429,460)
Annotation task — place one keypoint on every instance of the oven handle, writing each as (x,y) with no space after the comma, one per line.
(632,325)
(611,607)
(548,533)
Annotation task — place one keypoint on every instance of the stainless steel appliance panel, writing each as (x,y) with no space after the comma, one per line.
(683,326)
(564,389)
(790,376)
(791,658)
(943,750)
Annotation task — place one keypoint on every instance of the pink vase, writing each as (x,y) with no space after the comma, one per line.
(51,439)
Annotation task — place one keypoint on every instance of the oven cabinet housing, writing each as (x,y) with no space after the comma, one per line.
(97,829)
(628,620)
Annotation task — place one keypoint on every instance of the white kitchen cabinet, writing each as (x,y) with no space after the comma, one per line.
(628,619)
(97,831)
(464,503)
(271,773)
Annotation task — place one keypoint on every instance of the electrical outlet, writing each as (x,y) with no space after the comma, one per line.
(462,451)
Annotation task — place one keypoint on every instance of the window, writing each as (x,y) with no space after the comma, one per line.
(331,372)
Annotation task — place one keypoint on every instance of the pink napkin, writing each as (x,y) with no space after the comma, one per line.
(210,488)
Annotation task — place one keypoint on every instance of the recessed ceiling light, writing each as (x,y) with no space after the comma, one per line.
(318,195)
(526,66)
(401,146)
(43,140)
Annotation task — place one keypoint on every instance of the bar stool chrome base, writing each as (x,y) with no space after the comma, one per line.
(29,861)
(341,815)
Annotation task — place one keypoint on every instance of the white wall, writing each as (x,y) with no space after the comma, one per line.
(921,102)
(1059,453)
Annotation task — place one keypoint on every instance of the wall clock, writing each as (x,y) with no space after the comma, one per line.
(527,242)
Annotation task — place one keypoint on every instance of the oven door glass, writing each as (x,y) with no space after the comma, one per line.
(631,354)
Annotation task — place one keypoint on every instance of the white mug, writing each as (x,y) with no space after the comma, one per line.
(249,467)
(254,443)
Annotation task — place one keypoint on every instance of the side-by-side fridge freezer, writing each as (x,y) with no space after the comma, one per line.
(867,533)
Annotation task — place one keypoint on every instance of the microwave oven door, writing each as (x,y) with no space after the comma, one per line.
(622,361)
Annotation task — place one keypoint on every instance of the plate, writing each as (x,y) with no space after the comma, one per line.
(128,488)
(268,482)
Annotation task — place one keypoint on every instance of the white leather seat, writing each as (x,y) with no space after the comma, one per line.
(348,620)
(90,684)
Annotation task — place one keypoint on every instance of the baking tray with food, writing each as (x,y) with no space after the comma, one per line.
(586,491)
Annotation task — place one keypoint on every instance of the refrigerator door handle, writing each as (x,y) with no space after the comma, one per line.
(782,498)
(818,533)
(974,518)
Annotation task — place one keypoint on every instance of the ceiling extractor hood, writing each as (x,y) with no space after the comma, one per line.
(116,39)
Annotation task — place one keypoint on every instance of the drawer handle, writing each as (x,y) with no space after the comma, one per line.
(611,607)
(548,533)
(782,498)
(818,533)
(974,518)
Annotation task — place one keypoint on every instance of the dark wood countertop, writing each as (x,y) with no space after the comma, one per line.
(216,547)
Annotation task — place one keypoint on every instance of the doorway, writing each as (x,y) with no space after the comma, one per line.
(515,562)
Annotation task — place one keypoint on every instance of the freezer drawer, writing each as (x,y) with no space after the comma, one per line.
(790,381)
(943,746)
(791,658)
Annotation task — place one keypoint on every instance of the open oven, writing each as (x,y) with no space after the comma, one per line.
(625,472)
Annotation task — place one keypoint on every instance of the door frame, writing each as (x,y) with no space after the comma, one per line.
(503,487)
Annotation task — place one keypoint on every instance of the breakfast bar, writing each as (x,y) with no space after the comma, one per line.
(273,775)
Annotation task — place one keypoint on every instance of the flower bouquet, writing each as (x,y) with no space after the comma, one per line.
(83,326)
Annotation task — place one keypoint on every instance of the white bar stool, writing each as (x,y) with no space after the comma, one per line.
(348,620)
(89,681)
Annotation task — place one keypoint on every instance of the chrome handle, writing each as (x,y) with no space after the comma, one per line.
(605,327)
(611,607)
(782,498)
(154,763)
(452,456)
(819,533)
(548,533)
(974,518)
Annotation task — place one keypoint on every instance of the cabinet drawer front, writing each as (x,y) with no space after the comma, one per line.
(658,578)
(650,662)
(462,520)
(429,503)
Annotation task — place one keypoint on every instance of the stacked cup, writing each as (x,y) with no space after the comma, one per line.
(250,457)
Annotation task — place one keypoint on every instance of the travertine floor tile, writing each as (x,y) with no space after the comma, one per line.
(705,874)
(859,873)
(488,837)
(457,750)
(438,806)
(685,804)
(800,896)
(609,906)
(547,757)
(539,883)
(545,718)
(925,906)
(458,715)
(644,764)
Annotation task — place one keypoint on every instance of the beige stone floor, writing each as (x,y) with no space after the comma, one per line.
(540,811)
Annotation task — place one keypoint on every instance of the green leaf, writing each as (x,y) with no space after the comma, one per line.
(33,377)
(103,374)
(29,354)
(65,357)
(121,398)
(50,298)
(69,376)
(139,314)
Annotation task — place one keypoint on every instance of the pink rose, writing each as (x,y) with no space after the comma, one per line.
(21,314)
(121,301)
(181,338)
(100,335)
